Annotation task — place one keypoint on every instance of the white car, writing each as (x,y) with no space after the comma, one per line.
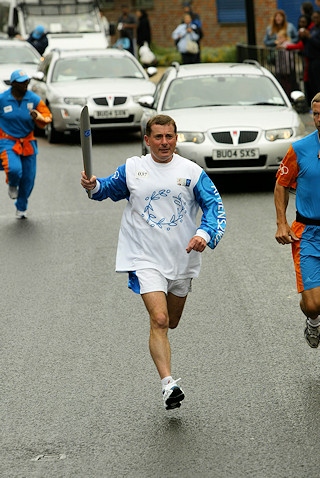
(231,117)
(15,55)
(109,82)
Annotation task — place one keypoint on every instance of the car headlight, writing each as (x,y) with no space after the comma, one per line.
(76,101)
(274,134)
(186,137)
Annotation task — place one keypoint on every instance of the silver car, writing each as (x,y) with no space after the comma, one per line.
(108,81)
(16,55)
(231,117)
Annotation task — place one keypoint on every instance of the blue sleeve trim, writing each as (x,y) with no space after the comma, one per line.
(213,219)
(113,187)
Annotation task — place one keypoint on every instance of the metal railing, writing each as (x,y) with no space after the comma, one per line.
(285,65)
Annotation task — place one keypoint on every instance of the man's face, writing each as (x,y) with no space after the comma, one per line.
(162,142)
(316,18)
(316,115)
(21,86)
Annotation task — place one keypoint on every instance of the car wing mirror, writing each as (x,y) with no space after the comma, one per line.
(38,75)
(297,95)
(146,101)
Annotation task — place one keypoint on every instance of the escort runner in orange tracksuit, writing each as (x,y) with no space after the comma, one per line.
(20,111)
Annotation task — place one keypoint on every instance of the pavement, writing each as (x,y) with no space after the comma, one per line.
(158,75)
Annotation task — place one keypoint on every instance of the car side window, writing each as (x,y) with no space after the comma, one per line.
(44,66)
(159,89)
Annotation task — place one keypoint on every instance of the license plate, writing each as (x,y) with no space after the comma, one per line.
(244,153)
(110,114)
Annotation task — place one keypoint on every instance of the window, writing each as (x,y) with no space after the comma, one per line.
(231,11)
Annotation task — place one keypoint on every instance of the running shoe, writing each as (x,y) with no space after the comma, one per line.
(13,192)
(172,395)
(21,214)
(312,335)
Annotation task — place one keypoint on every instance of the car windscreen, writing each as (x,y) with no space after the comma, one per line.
(17,55)
(222,90)
(83,68)
(70,22)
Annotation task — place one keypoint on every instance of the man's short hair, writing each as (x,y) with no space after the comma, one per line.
(161,120)
(315,99)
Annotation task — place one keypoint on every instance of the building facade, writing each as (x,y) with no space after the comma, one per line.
(224,21)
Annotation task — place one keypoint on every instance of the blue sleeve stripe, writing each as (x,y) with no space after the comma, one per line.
(114,186)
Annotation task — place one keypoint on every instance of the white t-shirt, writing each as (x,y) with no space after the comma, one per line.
(160,218)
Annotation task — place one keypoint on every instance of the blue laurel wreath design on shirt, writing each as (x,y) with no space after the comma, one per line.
(152,219)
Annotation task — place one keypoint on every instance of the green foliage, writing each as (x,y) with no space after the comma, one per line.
(219,55)
(165,56)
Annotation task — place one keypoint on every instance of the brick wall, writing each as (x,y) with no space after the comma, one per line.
(167,14)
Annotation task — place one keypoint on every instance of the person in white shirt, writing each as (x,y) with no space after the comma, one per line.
(159,242)
(186,37)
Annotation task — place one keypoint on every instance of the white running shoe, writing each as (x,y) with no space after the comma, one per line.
(21,214)
(13,192)
(172,395)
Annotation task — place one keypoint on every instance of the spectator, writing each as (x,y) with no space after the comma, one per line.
(284,63)
(279,22)
(128,23)
(38,39)
(123,42)
(303,23)
(143,28)
(195,16)
(282,39)
(186,38)
(306,10)
(197,21)
(311,39)
(105,24)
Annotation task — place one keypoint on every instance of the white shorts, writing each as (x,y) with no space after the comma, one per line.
(151,280)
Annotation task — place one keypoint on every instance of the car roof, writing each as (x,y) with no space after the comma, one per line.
(17,44)
(219,69)
(109,52)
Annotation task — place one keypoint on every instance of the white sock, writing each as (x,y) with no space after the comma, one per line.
(314,322)
(165,381)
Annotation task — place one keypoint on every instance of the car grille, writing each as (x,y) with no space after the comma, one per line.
(235,163)
(117,100)
(225,137)
(129,119)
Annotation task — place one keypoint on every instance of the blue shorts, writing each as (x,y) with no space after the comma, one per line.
(306,256)
(151,280)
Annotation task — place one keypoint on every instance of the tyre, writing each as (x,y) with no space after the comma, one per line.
(39,132)
(53,135)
